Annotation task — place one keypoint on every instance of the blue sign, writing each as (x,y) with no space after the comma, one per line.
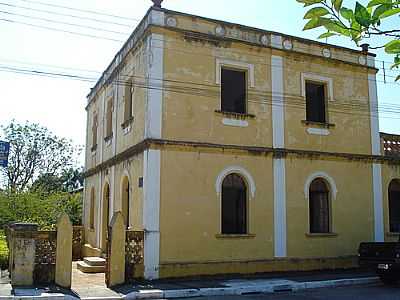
(4,151)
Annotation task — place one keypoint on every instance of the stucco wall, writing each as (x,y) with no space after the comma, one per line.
(190,208)
(351,210)
(133,168)
(190,113)
(348,108)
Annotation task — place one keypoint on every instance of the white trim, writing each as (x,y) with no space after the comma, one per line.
(111,208)
(235,122)
(155,77)
(125,173)
(99,211)
(371,61)
(317,78)
(276,41)
(373,107)
(151,212)
(235,169)
(235,64)
(378,203)
(332,185)
(157,17)
(106,181)
(278,105)
(318,131)
(280,229)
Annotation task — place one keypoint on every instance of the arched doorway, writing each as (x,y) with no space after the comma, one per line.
(105,216)
(126,198)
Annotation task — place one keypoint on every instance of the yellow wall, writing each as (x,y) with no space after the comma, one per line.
(134,169)
(348,110)
(351,211)
(189,116)
(135,66)
(190,208)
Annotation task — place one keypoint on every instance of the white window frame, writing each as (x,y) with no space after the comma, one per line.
(220,63)
(317,78)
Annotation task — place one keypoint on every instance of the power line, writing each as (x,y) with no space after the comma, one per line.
(214,89)
(60,30)
(65,15)
(80,10)
(64,23)
(187,83)
(285,103)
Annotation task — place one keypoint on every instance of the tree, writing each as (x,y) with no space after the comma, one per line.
(69,180)
(35,151)
(358,24)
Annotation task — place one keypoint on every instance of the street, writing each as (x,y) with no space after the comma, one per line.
(373,292)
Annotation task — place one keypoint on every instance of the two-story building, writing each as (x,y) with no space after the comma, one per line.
(238,150)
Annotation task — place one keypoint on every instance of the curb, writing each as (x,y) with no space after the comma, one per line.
(249,289)
(252,288)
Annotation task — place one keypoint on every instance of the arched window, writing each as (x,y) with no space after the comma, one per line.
(91,209)
(125,193)
(319,207)
(394,205)
(234,205)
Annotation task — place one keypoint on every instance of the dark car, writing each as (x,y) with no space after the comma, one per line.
(383,257)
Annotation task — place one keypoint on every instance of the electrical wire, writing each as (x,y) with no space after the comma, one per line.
(64,23)
(291,104)
(60,30)
(65,15)
(80,10)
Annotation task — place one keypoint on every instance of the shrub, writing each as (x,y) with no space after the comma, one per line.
(3,252)
(40,208)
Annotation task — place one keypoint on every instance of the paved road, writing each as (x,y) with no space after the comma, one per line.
(371,292)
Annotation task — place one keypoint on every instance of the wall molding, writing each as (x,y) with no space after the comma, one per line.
(235,64)
(318,78)
(248,150)
(235,169)
(320,174)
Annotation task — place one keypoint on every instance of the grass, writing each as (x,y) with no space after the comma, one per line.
(3,251)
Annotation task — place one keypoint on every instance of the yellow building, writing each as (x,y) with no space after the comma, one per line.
(236,149)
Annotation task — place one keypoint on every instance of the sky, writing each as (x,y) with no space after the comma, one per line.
(59,103)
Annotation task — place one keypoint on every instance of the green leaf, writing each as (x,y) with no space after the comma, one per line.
(393,47)
(326,35)
(346,13)
(378,2)
(355,31)
(313,23)
(335,26)
(362,15)
(309,2)
(397,78)
(337,4)
(390,12)
(316,12)
(380,10)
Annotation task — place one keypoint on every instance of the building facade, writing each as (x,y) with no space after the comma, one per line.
(237,150)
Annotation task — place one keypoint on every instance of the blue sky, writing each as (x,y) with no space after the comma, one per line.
(59,103)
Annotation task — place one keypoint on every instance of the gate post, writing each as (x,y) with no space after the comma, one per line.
(64,252)
(116,251)
(22,259)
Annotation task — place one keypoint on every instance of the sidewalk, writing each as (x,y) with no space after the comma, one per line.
(195,287)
